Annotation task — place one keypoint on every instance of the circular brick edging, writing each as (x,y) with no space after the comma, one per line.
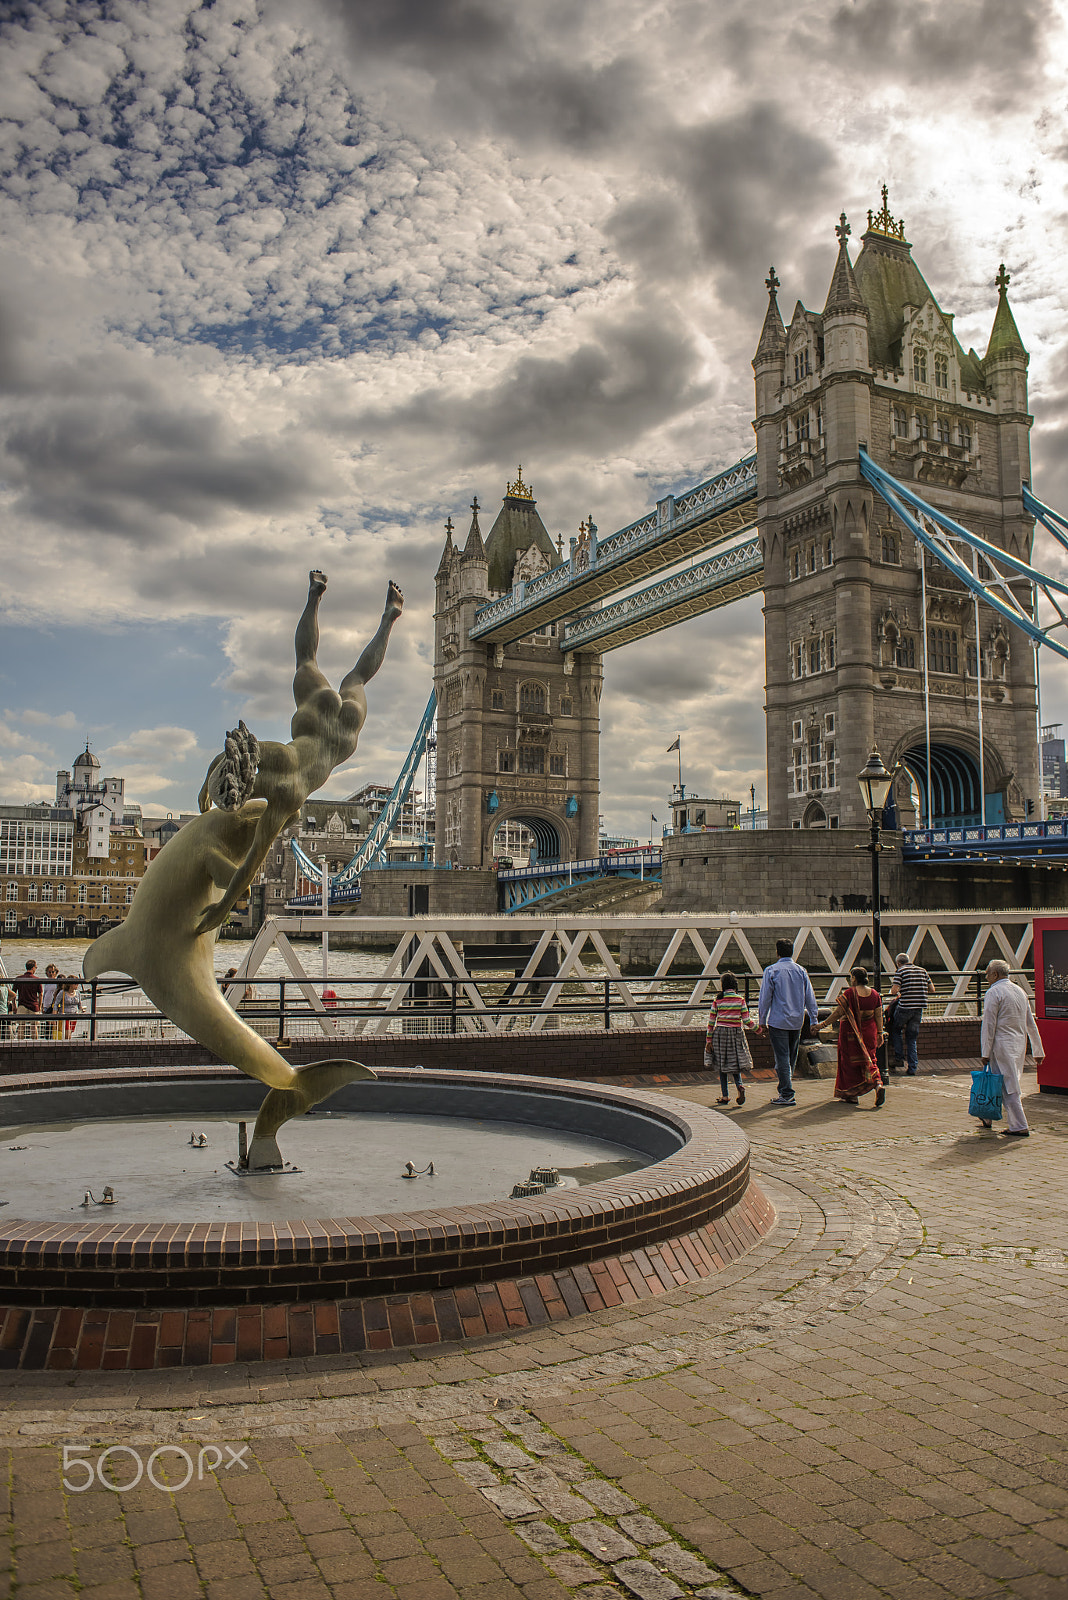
(172,1293)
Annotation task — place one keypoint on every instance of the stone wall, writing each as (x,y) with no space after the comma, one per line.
(792,869)
(388,892)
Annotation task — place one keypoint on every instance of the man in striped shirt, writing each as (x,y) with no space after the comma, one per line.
(910,988)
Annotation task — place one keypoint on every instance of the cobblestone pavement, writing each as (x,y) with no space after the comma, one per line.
(871,1403)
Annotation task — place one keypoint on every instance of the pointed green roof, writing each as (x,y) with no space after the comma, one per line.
(889,280)
(448,555)
(1004,335)
(517,527)
(843,295)
(772,341)
(474,546)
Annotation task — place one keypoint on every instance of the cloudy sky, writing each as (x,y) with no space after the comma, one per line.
(284,284)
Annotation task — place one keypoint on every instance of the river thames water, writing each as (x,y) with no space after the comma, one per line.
(67,955)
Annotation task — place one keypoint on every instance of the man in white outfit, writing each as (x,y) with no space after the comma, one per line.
(1008,1025)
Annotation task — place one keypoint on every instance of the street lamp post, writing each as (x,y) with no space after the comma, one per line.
(875,784)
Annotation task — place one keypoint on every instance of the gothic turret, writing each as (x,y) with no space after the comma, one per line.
(771,346)
(1005,370)
(518,535)
(448,554)
(843,295)
(474,549)
(1005,342)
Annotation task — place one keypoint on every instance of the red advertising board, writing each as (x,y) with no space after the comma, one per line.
(1051,1000)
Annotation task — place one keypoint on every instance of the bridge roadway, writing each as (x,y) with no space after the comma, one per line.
(680,527)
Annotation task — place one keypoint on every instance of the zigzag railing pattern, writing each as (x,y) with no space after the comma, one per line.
(426,949)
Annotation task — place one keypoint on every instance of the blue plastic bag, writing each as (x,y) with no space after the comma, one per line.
(985,1102)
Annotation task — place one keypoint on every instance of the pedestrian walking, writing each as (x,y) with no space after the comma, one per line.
(68,1005)
(786,998)
(7,1005)
(1008,1026)
(858,1012)
(28,991)
(48,999)
(908,996)
(726,1050)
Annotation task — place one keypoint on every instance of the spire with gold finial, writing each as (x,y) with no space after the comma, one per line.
(519,490)
(771,346)
(474,548)
(882,222)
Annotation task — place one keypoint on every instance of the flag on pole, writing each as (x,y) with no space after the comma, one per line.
(651,817)
(676,746)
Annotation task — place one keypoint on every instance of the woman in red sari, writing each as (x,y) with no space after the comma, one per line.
(858,1011)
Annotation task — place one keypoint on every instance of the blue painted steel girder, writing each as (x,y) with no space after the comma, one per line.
(722,578)
(681,526)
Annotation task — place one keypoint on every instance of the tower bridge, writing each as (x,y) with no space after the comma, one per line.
(886,518)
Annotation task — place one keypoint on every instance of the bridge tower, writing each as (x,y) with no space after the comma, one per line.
(518,724)
(845,642)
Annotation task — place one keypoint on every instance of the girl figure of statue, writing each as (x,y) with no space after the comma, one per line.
(326,726)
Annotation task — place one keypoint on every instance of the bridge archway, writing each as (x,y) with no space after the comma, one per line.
(954,783)
(551,842)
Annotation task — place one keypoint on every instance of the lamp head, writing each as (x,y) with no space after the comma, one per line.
(875,783)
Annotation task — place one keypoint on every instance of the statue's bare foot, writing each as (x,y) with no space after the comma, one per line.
(394,601)
(316,581)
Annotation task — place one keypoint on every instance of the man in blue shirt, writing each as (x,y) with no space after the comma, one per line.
(786,995)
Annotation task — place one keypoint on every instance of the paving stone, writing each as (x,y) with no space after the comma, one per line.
(510,1502)
(606,1497)
(507,1455)
(600,1591)
(683,1564)
(540,1537)
(642,1528)
(715,1592)
(476,1473)
(643,1580)
(602,1541)
(572,1569)
(552,1494)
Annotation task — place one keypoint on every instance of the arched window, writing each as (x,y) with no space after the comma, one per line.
(919,366)
(532,699)
(889,545)
(941,371)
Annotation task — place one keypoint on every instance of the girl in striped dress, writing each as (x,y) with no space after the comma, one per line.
(726,1050)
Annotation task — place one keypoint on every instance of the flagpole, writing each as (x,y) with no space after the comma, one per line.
(680,766)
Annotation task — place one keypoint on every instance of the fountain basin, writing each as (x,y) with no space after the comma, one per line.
(112,1289)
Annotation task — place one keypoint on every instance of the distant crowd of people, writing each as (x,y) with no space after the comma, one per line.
(787,1004)
(40,1008)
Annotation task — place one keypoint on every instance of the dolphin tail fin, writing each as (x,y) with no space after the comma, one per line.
(109,953)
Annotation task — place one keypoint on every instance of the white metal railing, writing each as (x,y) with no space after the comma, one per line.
(827,943)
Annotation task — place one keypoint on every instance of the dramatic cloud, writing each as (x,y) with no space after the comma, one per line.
(283,285)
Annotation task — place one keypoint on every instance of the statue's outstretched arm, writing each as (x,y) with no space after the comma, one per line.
(240,881)
(204,798)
